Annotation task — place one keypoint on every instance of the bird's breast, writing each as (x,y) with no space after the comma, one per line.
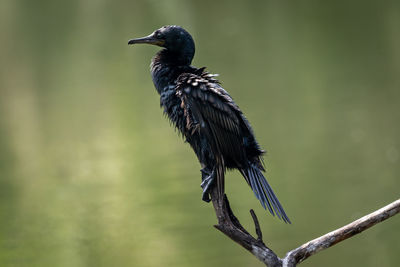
(171,105)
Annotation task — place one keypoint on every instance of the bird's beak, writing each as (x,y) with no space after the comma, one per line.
(151,39)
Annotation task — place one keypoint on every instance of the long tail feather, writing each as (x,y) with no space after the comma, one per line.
(263,192)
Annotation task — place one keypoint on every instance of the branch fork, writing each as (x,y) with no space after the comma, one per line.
(230,226)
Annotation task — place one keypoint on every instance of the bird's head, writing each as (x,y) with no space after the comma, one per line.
(174,38)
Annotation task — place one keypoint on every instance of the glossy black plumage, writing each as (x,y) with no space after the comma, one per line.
(207,117)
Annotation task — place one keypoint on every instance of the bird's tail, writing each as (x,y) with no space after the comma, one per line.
(263,191)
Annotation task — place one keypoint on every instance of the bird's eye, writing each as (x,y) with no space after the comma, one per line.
(158,35)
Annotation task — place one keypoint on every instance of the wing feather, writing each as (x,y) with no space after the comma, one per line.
(208,105)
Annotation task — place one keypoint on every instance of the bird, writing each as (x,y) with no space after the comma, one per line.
(207,117)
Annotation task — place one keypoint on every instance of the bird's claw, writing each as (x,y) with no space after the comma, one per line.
(207,178)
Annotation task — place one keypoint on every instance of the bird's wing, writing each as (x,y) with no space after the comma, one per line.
(210,112)
(208,108)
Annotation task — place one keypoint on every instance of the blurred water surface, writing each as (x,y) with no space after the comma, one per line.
(92,174)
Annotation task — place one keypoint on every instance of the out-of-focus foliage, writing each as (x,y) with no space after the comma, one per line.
(92,174)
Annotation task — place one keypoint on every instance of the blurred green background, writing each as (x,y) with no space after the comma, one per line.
(92,174)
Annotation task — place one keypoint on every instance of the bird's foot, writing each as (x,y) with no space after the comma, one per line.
(207,178)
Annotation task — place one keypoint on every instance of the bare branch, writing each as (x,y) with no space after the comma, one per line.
(230,226)
(303,252)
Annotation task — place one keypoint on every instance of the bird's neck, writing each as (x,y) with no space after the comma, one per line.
(166,67)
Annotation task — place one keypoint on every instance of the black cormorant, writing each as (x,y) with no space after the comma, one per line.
(207,117)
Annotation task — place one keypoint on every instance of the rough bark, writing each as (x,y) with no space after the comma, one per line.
(230,226)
